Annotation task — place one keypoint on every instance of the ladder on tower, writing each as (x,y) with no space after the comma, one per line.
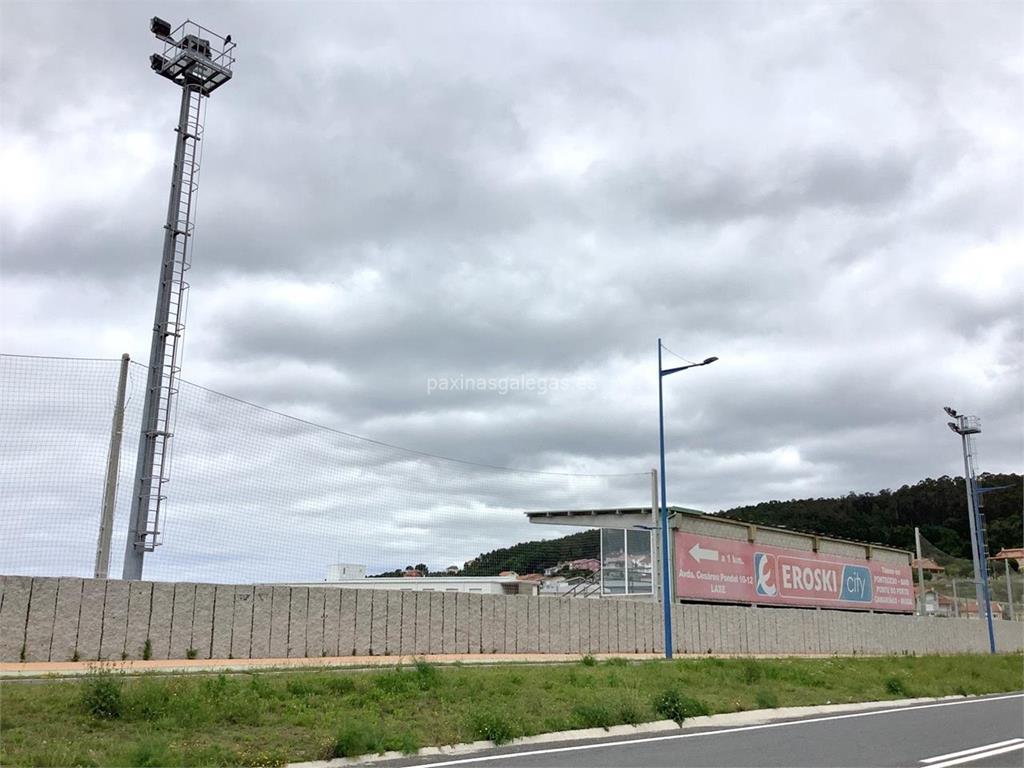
(164,377)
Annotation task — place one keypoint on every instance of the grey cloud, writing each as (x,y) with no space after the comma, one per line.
(397,192)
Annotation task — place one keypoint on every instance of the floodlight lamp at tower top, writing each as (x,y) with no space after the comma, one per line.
(193,55)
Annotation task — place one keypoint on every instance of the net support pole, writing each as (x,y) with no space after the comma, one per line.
(1009,590)
(920,569)
(110,481)
(656,559)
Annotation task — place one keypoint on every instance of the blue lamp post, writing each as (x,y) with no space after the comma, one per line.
(666,554)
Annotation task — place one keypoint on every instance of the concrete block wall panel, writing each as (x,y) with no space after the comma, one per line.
(160,612)
(564,625)
(680,629)
(422,623)
(890,557)
(543,625)
(599,626)
(727,640)
(140,604)
(474,608)
(691,627)
(14,616)
(332,624)
(378,621)
(840,548)
(783,539)
(621,632)
(1010,636)
(181,620)
(515,622)
(436,641)
(65,620)
(298,612)
(634,634)
(588,624)
(280,617)
(352,640)
(778,635)
(574,624)
(487,633)
(709,526)
(532,624)
(316,604)
(90,618)
(39,625)
(658,627)
(262,622)
(736,630)
(115,620)
(505,622)
(241,621)
(449,609)
(223,621)
(202,620)
(461,623)
(393,624)
(408,642)
(810,631)
(696,635)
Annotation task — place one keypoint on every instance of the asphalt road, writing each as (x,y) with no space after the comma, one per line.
(931,735)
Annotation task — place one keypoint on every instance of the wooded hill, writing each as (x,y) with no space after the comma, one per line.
(938,507)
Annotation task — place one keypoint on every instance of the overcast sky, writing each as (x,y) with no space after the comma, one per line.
(827,196)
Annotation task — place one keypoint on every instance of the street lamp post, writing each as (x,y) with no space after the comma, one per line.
(666,554)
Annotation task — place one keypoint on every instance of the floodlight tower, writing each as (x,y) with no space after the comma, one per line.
(198,61)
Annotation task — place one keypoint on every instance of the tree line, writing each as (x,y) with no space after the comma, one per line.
(937,506)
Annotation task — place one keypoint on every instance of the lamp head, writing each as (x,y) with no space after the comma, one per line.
(709,360)
(954,426)
(950,411)
(159,27)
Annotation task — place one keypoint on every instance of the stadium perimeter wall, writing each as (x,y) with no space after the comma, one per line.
(64,619)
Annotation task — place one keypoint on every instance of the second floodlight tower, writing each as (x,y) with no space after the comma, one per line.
(198,61)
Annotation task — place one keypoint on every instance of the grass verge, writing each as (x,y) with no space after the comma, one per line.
(270,719)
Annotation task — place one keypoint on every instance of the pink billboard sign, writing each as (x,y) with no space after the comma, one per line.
(709,568)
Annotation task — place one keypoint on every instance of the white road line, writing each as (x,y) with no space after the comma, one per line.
(719,732)
(962,752)
(979,756)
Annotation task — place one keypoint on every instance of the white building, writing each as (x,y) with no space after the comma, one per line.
(485,585)
(344,571)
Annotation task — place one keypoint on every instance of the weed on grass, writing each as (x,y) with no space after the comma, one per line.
(593,716)
(673,705)
(897,687)
(150,752)
(766,699)
(588,661)
(427,677)
(101,695)
(356,737)
(492,726)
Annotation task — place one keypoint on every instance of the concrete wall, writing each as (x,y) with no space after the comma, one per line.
(60,619)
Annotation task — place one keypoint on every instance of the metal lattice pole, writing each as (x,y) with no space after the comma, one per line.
(190,61)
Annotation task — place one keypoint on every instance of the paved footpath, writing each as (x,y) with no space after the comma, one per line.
(981,732)
(47,668)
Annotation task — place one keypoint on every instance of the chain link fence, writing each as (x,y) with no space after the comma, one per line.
(255,495)
(950,582)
